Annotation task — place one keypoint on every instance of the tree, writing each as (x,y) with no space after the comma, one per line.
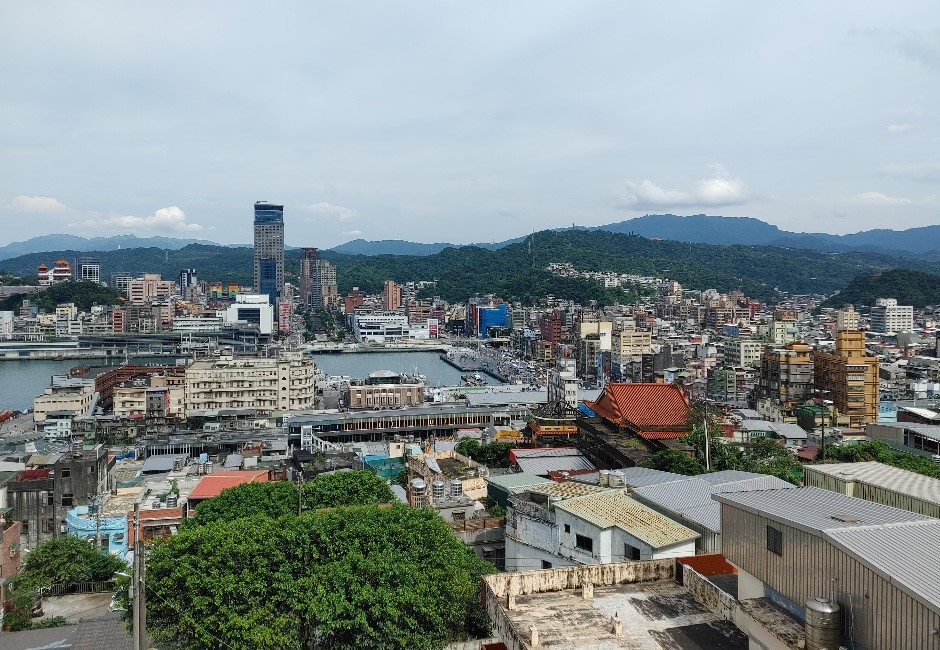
(467,447)
(347,489)
(674,461)
(66,560)
(357,577)
(272,499)
(769,456)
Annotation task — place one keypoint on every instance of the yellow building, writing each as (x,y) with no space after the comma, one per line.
(849,377)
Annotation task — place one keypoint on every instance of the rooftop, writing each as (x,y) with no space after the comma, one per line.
(885,476)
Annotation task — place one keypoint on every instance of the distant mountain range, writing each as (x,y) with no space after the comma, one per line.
(705,229)
(62,242)
(698,229)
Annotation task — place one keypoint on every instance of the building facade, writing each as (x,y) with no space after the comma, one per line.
(888,317)
(269,250)
(849,377)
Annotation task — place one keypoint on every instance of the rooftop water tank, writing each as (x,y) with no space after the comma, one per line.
(456,488)
(437,489)
(616,479)
(604,478)
(823,624)
(418,486)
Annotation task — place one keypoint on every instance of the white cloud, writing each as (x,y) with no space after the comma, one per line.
(328,209)
(878,198)
(719,189)
(926,172)
(900,128)
(352,233)
(171,219)
(38,204)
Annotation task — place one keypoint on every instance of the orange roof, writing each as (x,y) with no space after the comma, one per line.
(213,484)
(653,411)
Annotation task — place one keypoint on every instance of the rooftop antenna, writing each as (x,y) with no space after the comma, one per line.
(708,455)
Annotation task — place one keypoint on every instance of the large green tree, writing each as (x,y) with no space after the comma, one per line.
(359,577)
(359,488)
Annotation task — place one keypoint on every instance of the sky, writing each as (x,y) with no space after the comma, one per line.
(464,122)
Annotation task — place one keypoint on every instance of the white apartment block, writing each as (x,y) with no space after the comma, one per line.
(888,317)
(847,319)
(254,309)
(286,383)
(383,328)
(741,352)
(74,395)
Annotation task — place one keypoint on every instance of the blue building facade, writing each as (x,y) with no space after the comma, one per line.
(269,250)
(493,317)
(110,533)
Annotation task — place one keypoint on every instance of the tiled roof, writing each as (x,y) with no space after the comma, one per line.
(613,508)
(662,407)
(213,484)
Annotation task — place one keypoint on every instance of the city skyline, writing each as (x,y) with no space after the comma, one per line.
(446,123)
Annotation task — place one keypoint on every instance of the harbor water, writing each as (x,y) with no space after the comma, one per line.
(21,381)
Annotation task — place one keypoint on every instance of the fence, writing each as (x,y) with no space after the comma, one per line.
(90,587)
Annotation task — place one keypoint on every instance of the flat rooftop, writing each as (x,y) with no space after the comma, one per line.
(655,615)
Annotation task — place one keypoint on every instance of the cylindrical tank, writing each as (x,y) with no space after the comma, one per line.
(616,479)
(417,493)
(552,500)
(172,501)
(456,488)
(418,485)
(823,624)
(437,489)
(604,479)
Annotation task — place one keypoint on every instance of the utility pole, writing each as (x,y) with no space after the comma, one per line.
(138,597)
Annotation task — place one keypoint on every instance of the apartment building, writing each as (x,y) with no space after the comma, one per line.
(286,383)
(888,317)
(149,287)
(743,352)
(786,375)
(849,377)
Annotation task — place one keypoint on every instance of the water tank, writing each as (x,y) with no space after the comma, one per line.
(456,488)
(552,500)
(418,486)
(604,479)
(437,489)
(172,501)
(471,472)
(178,464)
(823,624)
(155,504)
(616,479)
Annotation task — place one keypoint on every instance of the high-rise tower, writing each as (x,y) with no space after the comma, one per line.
(269,249)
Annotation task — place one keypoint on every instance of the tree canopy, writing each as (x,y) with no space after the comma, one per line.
(363,576)
(879,450)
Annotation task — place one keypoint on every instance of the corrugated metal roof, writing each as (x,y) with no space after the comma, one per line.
(784,429)
(566,489)
(931,431)
(432,464)
(613,508)
(813,509)
(643,476)
(160,463)
(884,476)
(518,480)
(546,452)
(691,498)
(37,460)
(542,466)
(911,561)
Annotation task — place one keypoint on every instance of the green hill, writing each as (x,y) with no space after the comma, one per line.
(910,287)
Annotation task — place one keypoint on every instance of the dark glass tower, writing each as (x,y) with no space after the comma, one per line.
(269,249)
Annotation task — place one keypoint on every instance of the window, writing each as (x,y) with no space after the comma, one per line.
(66,472)
(774,540)
(546,564)
(631,552)
(584,543)
(67,499)
(567,528)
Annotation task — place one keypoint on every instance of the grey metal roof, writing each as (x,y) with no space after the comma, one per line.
(931,431)
(551,452)
(518,481)
(234,460)
(642,476)
(782,429)
(905,554)
(813,509)
(160,463)
(691,498)
(884,476)
(613,508)
(542,466)
(498,398)
(432,464)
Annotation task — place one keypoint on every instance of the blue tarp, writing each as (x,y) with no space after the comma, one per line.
(588,412)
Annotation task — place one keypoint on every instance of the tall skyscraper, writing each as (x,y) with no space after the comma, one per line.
(87,269)
(317,281)
(269,249)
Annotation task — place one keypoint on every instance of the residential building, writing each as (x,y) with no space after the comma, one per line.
(384,328)
(391,296)
(887,317)
(149,287)
(65,394)
(53,484)
(847,319)
(149,396)
(189,285)
(353,301)
(732,384)
(877,564)
(285,383)
(786,375)
(848,377)
(563,388)
(269,250)
(626,345)
(317,281)
(743,352)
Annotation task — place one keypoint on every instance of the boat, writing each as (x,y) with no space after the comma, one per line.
(473,379)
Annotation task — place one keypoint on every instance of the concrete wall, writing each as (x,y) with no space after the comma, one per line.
(501,589)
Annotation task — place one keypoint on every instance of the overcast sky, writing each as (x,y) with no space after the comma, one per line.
(464,121)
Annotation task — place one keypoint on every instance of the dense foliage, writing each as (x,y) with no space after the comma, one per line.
(879,450)
(494,454)
(83,294)
(517,271)
(909,287)
(64,560)
(360,577)
(279,498)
